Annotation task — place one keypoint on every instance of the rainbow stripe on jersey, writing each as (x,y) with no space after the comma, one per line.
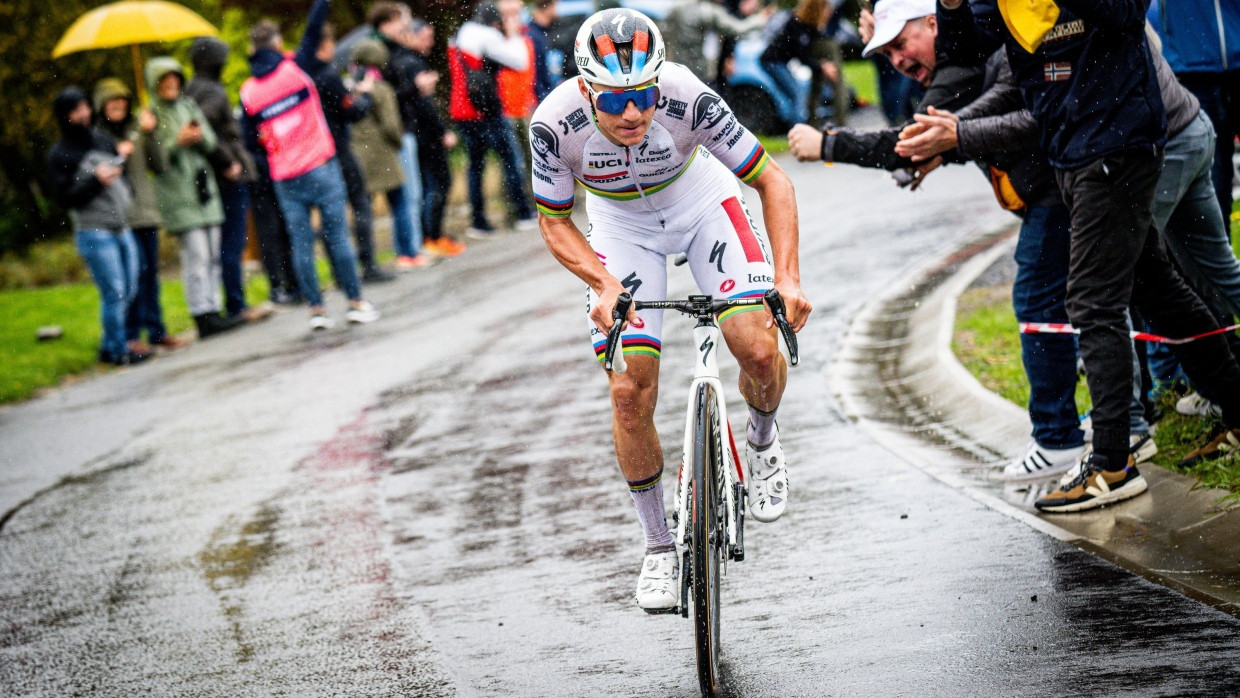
(753,165)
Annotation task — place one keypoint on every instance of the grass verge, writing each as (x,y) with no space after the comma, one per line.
(987,343)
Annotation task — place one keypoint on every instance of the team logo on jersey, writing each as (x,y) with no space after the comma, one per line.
(727,285)
(637,323)
(708,110)
(543,141)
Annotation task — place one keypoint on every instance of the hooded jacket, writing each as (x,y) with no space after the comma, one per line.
(187,192)
(71,167)
(207,55)
(377,137)
(148,156)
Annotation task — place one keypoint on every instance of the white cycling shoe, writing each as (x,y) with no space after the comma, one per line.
(658,585)
(768,481)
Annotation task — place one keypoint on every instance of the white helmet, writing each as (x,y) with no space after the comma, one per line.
(604,32)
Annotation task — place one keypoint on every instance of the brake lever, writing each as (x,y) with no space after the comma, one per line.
(779,311)
(612,360)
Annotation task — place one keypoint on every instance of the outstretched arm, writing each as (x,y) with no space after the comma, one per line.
(314,32)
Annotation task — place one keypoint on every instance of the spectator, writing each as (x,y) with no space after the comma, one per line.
(134,139)
(283,113)
(542,14)
(234,169)
(87,177)
(342,107)
(391,22)
(517,97)
(274,243)
(796,40)
(489,40)
(434,141)
(689,22)
(189,200)
(377,139)
(1104,135)
(1201,41)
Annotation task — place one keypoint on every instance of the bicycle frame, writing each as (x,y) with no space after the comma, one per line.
(706,370)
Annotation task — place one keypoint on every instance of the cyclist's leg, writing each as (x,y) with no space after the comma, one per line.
(729,257)
(633,396)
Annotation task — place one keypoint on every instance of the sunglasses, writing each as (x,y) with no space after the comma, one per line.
(615,101)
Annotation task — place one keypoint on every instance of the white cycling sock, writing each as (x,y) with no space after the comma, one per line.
(761,429)
(648,500)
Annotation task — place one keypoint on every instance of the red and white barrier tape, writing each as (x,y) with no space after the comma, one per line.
(1064,328)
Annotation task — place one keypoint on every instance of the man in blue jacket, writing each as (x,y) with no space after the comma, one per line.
(1201,41)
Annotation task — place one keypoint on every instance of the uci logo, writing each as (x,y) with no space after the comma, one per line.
(601,164)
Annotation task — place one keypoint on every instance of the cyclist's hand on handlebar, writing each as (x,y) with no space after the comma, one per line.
(602,311)
(797,305)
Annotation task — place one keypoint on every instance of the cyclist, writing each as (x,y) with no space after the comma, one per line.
(659,154)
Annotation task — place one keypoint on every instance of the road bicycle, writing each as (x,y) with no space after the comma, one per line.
(709,510)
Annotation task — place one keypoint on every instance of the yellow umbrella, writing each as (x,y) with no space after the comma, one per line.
(129,23)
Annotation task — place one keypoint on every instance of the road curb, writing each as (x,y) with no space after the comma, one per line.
(896,377)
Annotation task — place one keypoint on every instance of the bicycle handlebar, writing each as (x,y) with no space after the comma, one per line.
(701,307)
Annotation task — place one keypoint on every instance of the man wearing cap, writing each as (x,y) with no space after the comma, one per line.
(904,32)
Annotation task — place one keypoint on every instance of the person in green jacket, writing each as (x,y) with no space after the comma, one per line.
(189,200)
(377,140)
(134,138)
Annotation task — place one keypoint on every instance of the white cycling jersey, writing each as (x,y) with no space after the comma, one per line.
(674,192)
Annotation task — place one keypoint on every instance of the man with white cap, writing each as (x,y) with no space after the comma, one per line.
(904,31)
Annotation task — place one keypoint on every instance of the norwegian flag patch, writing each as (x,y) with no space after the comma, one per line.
(1056,72)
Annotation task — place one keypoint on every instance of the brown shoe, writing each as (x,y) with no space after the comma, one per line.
(1094,487)
(169,341)
(1222,440)
(254,313)
(137,346)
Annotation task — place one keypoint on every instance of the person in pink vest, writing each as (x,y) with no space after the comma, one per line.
(282,112)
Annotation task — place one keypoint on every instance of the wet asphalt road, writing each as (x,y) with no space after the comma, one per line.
(429,506)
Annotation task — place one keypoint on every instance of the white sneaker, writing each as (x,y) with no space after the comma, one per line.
(362,314)
(525,225)
(1194,405)
(1141,447)
(768,481)
(1038,462)
(321,322)
(659,583)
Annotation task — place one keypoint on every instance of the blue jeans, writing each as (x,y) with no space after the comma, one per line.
(113,262)
(1038,295)
(1186,212)
(322,187)
(236,200)
(493,134)
(787,84)
(412,187)
(145,312)
(402,223)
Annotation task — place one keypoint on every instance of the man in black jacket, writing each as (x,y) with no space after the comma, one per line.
(1090,83)
(343,107)
(87,177)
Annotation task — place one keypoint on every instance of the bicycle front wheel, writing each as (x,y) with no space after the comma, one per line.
(709,545)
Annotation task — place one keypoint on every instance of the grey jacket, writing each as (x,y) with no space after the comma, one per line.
(685,28)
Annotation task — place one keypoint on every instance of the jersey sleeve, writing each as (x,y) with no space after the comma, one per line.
(720,132)
(553,181)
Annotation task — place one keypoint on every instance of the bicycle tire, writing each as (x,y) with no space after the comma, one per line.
(708,538)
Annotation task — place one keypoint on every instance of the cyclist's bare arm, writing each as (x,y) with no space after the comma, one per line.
(570,247)
(779,214)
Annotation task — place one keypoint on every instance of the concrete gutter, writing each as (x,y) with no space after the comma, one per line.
(896,376)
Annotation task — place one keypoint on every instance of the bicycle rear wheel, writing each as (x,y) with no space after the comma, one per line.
(709,543)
